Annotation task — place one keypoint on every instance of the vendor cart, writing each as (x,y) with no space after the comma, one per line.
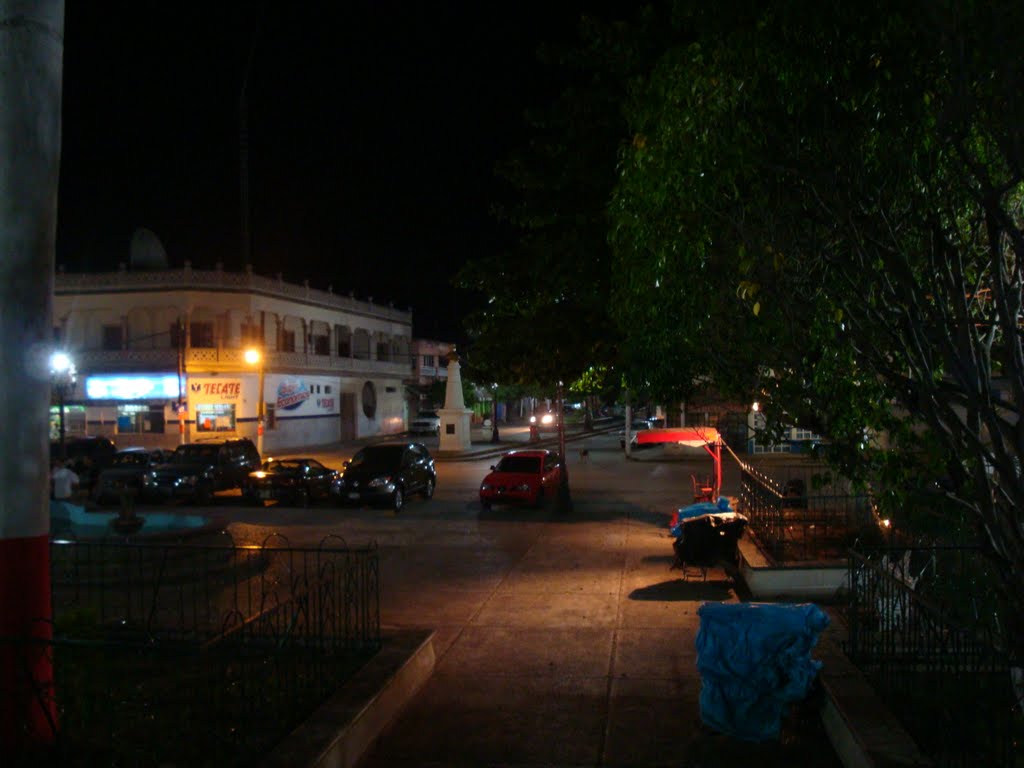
(708,438)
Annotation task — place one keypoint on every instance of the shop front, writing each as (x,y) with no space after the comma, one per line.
(132,409)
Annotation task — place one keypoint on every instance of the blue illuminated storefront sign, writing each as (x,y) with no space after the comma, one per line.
(132,387)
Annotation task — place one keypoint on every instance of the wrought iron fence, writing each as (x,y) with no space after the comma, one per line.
(200,655)
(793,522)
(924,626)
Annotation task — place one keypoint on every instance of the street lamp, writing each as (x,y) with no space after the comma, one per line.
(62,380)
(253,357)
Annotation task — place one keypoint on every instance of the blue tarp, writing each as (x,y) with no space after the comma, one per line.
(693,511)
(754,661)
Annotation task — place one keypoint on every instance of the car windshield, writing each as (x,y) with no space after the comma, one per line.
(187,454)
(519,464)
(378,455)
(427,415)
(134,459)
(278,465)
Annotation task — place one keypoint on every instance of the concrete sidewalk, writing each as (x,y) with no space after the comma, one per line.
(570,643)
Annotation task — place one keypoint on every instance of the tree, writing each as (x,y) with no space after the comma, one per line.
(845,182)
(31,60)
(543,316)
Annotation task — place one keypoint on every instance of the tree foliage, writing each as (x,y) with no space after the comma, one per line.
(544,315)
(828,198)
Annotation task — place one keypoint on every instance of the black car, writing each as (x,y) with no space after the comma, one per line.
(125,473)
(297,481)
(385,474)
(195,471)
(86,456)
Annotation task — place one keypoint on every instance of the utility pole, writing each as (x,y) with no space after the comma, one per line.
(31,80)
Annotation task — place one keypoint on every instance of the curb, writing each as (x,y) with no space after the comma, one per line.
(342,730)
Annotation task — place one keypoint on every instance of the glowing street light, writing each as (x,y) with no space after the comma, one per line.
(63,377)
(253,356)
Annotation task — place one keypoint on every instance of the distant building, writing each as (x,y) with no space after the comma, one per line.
(147,343)
(429,365)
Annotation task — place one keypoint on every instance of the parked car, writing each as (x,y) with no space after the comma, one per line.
(385,474)
(195,471)
(426,423)
(636,425)
(521,477)
(125,473)
(87,456)
(296,481)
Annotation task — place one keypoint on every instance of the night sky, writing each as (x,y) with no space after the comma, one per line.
(374,130)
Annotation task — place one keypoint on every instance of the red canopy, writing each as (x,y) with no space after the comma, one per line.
(693,437)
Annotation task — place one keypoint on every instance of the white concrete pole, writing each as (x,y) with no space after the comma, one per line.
(31,65)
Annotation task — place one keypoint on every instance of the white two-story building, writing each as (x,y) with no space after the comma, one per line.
(161,358)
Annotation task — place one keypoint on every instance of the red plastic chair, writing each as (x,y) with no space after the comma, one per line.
(703,490)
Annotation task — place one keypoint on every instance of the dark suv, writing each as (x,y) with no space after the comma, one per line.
(196,471)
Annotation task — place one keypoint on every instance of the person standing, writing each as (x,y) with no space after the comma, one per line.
(64,482)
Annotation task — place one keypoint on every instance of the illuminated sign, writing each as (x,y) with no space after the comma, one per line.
(137,387)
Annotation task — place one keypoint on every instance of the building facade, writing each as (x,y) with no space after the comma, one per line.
(162,359)
(429,366)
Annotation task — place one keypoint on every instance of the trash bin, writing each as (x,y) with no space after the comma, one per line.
(754,661)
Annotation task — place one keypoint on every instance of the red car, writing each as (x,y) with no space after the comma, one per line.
(521,477)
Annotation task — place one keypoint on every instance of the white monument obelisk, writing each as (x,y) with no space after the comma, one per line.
(455,434)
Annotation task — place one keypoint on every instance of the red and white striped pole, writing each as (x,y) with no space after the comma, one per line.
(31,64)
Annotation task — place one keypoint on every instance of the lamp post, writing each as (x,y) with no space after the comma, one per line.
(253,357)
(564,503)
(63,377)
(494,414)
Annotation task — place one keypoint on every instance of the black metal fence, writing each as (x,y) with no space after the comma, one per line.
(201,655)
(794,520)
(924,626)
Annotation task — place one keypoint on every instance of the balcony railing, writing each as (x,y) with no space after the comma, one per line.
(234,358)
(205,280)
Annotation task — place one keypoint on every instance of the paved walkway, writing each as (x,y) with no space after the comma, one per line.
(565,644)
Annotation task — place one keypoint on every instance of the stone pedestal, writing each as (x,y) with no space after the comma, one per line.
(455,416)
(455,429)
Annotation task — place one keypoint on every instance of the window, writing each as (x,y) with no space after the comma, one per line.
(428,361)
(321,345)
(201,335)
(112,337)
(269,416)
(215,417)
(140,419)
(175,333)
(287,341)
(382,351)
(344,347)
(327,389)
(250,334)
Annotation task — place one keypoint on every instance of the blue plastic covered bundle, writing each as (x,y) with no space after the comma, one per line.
(754,661)
(721,509)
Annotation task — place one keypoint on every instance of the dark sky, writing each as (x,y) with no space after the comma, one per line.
(374,129)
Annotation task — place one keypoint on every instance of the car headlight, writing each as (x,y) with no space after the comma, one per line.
(149,479)
(547,419)
(379,482)
(533,419)
(523,487)
(485,486)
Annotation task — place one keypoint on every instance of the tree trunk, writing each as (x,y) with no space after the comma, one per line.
(31,62)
